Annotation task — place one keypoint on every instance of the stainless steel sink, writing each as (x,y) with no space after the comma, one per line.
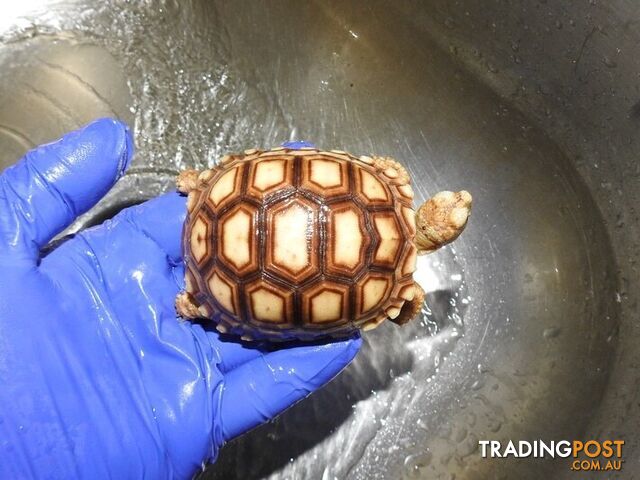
(531,328)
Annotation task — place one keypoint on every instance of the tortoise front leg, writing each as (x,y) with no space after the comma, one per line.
(392,169)
(411,308)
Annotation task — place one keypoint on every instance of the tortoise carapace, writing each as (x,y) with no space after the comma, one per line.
(297,244)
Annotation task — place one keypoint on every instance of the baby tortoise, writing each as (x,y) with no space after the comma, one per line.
(290,244)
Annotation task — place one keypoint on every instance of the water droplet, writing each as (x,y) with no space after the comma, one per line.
(494,425)
(468,446)
(551,332)
(613,334)
(421,423)
(416,462)
(471,419)
(483,369)
(460,434)
(477,385)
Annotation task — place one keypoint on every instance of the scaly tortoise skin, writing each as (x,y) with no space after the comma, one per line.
(300,243)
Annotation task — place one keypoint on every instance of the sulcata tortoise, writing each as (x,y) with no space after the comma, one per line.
(300,243)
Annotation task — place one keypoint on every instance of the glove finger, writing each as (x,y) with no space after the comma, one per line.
(54,183)
(161,220)
(232,353)
(262,388)
(298,144)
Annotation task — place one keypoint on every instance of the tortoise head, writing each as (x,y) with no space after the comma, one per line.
(441,219)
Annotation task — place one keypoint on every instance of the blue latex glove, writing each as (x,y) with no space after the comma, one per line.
(98,378)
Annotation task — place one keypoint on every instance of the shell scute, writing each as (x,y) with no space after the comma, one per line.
(325,176)
(268,175)
(237,245)
(371,189)
(326,302)
(269,303)
(224,187)
(291,248)
(347,239)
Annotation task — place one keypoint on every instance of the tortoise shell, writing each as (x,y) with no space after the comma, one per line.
(299,244)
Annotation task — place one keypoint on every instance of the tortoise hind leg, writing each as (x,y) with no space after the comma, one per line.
(187,180)
(412,307)
(186,305)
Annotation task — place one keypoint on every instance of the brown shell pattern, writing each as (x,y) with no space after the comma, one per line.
(298,244)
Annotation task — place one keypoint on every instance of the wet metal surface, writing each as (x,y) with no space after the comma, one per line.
(520,338)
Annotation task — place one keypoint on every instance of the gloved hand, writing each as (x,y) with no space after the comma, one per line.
(98,378)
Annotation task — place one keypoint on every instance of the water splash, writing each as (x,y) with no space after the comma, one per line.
(189,104)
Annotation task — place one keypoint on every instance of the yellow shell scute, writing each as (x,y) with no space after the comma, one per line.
(268,173)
